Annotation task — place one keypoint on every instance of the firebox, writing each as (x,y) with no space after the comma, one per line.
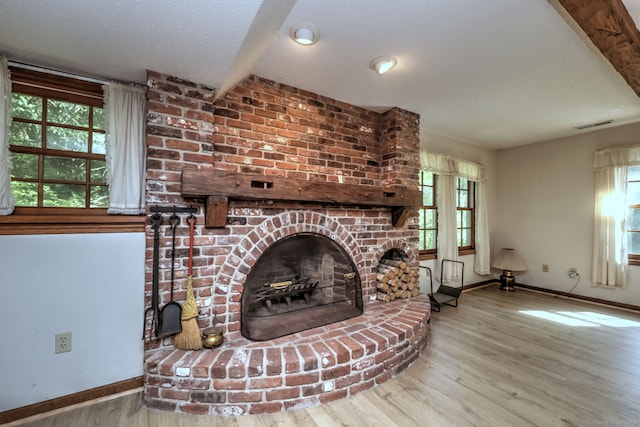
(300,282)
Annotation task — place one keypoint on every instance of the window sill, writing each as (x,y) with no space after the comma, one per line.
(424,257)
(17,224)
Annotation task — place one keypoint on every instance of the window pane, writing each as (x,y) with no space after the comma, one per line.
(64,169)
(634,242)
(633,219)
(25,193)
(465,237)
(426,178)
(427,196)
(463,183)
(99,196)
(26,134)
(429,239)
(24,165)
(98,171)
(67,113)
(26,106)
(463,199)
(429,218)
(633,173)
(466,219)
(633,193)
(64,195)
(98,118)
(98,145)
(67,139)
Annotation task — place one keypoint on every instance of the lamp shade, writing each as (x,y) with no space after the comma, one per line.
(509,259)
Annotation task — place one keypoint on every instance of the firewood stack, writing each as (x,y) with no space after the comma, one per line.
(395,279)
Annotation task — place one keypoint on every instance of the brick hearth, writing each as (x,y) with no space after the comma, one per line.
(298,371)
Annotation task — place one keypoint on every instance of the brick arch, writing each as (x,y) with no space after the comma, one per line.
(400,245)
(244,256)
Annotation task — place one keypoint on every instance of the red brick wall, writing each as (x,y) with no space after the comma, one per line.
(263,127)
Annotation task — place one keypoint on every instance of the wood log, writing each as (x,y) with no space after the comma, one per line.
(382,278)
(382,286)
(394,263)
(381,296)
(415,292)
(387,270)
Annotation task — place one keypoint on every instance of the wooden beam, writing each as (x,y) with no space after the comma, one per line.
(612,30)
(199,183)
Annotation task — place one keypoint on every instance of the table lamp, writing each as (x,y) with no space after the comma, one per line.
(508,260)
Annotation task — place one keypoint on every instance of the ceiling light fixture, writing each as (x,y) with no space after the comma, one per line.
(304,34)
(383,64)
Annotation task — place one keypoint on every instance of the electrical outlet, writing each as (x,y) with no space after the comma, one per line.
(573,272)
(63,342)
(545,268)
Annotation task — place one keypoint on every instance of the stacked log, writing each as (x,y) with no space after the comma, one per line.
(395,279)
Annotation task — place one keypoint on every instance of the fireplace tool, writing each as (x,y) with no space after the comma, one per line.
(171,313)
(190,338)
(156,222)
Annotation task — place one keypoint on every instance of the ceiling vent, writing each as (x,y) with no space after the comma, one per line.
(593,125)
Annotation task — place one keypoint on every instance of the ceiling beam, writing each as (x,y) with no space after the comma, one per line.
(612,30)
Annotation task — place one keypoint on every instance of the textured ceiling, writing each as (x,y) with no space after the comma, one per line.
(495,73)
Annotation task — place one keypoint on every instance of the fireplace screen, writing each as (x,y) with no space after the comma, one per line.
(300,282)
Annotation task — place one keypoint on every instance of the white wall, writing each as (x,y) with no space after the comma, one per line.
(89,284)
(545,205)
(458,149)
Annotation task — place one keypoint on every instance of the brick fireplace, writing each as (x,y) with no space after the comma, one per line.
(266,129)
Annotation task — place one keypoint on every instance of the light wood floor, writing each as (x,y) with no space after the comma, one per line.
(488,364)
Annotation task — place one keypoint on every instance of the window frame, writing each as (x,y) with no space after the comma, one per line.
(63,220)
(632,258)
(471,207)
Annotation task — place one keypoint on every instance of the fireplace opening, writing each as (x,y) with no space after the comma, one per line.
(300,282)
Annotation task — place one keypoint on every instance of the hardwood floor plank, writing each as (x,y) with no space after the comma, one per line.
(489,363)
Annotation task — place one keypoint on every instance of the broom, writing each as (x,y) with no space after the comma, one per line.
(190,338)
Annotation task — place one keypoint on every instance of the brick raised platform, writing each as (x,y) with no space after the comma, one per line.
(297,371)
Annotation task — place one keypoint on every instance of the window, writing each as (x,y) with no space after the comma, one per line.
(633,213)
(428,224)
(428,214)
(57,146)
(57,143)
(465,204)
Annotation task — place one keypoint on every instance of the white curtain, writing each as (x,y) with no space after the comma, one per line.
(7,202)
(448,168)
(447,226)
(482,262)
(125,111)
(609,230)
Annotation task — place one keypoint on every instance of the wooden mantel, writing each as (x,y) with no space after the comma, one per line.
(220,186)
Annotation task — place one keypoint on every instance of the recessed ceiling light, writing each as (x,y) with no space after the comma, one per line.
(304,34)
(383,64)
